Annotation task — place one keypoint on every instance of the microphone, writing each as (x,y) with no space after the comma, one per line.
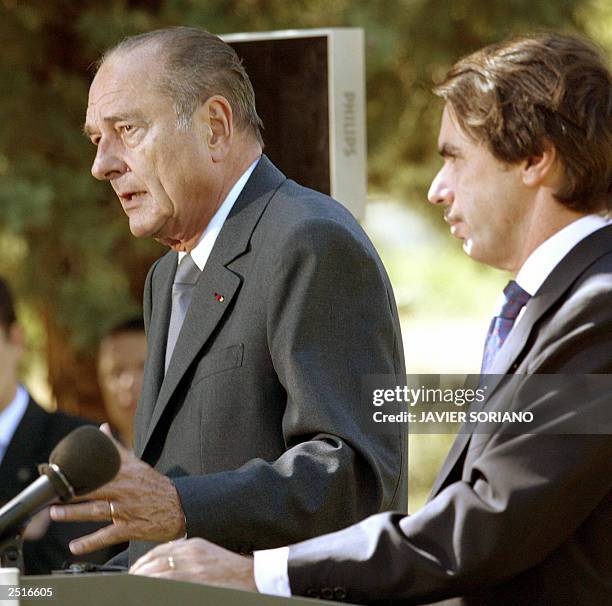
(83,461)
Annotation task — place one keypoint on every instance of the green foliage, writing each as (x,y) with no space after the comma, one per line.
(442,282)
(65,232)
(63,236)
(425,457)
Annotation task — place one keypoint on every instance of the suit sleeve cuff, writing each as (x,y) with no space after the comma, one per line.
(271,571)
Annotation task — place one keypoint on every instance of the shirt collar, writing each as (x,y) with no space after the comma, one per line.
(10,418)
(547,256)
(203,248)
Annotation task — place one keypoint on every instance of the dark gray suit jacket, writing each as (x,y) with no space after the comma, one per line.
(257,418)
(513,518)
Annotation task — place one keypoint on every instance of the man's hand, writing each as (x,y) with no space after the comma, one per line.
(37,526)
(141,503)
(198,561)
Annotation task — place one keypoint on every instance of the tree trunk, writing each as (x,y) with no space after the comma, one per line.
(72,375)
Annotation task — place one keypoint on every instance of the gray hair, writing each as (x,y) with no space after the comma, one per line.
(198,65)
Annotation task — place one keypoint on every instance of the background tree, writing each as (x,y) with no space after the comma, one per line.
(64,241)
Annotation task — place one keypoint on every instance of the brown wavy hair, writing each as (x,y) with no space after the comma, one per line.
(552,87)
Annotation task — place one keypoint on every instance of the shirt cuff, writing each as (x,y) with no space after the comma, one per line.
(271,571)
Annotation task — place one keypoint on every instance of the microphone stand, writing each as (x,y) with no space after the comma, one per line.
(11,552)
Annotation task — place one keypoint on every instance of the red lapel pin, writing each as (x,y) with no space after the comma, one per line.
(219,297)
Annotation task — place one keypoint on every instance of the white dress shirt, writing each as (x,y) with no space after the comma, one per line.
(10,418)
(207,240)
(546,257)
(271,565)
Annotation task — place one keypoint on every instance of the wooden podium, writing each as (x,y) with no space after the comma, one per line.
(119,589)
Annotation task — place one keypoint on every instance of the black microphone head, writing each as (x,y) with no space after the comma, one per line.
(88,459)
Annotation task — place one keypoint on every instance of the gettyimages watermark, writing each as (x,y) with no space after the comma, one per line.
(536,403)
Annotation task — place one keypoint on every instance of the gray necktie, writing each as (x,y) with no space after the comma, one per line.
(187,274)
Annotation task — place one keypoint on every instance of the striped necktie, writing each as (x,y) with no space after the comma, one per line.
(515,299)
(187,274)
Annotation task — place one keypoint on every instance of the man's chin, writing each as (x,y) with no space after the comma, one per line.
(144,230)
(485,255)
(475,252)
(140,231)
(169,242)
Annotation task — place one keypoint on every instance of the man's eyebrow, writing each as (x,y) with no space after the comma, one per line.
(448,150)
(89,131)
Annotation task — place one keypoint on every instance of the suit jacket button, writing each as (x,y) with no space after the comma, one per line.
(327,593)
(339,593)
(311,592)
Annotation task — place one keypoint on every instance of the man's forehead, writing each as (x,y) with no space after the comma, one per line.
(116,354)
(114,79)
(451,134)
(126,73)
(120,90)
(447,126)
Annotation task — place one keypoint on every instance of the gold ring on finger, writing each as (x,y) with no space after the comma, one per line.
(111,506)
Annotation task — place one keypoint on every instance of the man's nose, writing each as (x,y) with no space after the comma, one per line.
(439,190)
(107,164)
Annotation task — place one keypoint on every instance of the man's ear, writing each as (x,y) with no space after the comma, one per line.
(217,121)
(542,168)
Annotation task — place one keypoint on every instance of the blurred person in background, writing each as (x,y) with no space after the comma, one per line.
(121,360)
(28,434)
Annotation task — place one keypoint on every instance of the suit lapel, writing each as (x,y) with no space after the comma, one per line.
(206,310)
(202,317)
(560,280)
(163,277)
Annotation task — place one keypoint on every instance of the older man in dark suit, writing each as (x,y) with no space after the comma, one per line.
(261,321)
(514,517)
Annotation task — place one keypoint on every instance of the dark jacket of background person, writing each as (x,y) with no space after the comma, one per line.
(37,434)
